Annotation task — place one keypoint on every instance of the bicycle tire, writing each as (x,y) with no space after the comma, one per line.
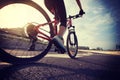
(6,56)
(72,48)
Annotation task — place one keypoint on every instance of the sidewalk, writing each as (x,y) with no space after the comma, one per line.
(103,52)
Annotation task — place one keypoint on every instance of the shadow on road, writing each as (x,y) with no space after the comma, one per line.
(94,67)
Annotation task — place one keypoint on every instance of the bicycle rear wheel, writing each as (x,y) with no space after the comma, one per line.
(72,44)
(14,44)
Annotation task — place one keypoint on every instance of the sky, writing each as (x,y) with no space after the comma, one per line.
(99,27)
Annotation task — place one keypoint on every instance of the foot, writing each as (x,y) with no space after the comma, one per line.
(58,41)
(58,51)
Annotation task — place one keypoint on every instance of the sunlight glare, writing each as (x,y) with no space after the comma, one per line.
(17,15)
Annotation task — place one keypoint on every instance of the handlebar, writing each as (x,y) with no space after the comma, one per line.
(74,16)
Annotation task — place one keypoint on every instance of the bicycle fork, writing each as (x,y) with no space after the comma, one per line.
(71,32)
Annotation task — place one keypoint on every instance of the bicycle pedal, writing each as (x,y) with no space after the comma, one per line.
(59,51)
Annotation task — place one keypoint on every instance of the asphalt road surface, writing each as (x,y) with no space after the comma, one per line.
(87,66)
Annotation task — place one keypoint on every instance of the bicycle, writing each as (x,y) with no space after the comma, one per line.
(46,31)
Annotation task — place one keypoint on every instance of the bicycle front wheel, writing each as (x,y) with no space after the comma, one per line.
(72,44)
(14,45)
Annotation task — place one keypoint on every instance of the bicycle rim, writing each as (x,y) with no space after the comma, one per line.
(14,43)
(72,44)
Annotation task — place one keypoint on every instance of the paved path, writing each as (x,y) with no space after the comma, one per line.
(87,66)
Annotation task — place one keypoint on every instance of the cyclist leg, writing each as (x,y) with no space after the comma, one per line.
(50,5)
(57,8)
(60,11)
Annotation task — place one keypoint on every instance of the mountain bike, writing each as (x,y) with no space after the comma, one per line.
(14,46)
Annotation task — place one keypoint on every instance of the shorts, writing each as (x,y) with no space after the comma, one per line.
(59,7)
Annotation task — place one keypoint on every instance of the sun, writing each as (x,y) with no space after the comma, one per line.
(17,15)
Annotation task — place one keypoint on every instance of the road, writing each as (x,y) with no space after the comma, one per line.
(87,66)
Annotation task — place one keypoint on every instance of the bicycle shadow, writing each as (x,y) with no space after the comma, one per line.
(56,70)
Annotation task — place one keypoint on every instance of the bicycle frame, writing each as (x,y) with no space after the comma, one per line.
(43,35)
(55,24)
(21,44)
